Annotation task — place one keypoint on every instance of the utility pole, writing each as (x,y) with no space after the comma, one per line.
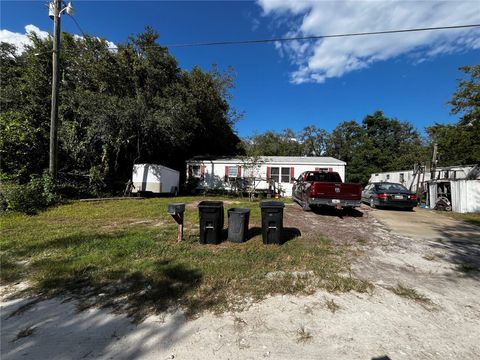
(52,167)
(433,170)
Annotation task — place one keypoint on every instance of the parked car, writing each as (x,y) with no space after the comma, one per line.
(389,194)
(317,188)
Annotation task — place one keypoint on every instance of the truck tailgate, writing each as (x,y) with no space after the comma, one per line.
(347,191)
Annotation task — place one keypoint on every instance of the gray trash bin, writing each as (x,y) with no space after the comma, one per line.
(272,221)
(238,219)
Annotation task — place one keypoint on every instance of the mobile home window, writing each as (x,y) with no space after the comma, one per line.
(285,174)
(402,178)
(275,174)
(195,170)
(232,171)
(388,177)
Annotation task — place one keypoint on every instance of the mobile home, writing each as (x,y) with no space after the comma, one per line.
(265,173)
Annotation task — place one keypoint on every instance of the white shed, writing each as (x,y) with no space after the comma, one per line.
(465,196)
(224,173)
(154,178)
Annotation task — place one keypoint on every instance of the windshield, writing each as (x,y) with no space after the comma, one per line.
(324,177)
(390,187)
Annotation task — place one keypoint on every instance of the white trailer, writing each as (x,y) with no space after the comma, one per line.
(156,179)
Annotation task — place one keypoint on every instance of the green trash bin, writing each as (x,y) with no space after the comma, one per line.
(238,219)
(272,221)
(211,221)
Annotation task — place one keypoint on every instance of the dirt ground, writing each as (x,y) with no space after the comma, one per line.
(434,257)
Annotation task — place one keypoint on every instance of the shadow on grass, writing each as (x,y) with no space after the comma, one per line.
(254,231)
(137,294)
(288,233)
(74,266)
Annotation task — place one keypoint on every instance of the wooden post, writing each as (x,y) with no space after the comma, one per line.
(177,211)
(179,219)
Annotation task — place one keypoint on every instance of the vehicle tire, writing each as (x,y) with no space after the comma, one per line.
(372,203)
(409,209)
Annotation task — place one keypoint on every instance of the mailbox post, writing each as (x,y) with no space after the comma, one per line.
(177,210)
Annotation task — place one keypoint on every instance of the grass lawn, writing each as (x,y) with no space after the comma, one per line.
(470,218)
(124,254)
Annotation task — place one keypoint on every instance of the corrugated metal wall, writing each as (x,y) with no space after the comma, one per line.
(466,196)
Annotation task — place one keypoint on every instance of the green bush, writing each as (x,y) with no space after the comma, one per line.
(29,198)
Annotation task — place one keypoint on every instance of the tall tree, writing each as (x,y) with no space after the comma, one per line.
(271,143)
(133,104)
(459,144)
(313,140)
(466,100)
(378,144)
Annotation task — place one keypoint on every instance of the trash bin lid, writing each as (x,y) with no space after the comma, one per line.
(272,204)
(209,203)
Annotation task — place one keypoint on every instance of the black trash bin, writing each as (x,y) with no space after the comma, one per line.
(238,219)
(211,221)
(272,221)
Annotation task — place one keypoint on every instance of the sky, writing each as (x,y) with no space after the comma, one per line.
(294,84)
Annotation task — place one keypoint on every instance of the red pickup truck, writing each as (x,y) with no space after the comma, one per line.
(316,188)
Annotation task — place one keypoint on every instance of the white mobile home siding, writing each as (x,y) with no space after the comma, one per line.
(410,180)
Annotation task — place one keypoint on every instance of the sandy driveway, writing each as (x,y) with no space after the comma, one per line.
(426,224)
(430,255)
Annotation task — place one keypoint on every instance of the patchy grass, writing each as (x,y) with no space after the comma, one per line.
(429,257)
(467,268)
(471,218)
(361,240)
(303,335)
(411,294)
(26,332)
(332,305)
(124,254)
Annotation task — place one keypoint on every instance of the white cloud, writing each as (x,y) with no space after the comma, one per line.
(22,40)
(319,60)
(110,44)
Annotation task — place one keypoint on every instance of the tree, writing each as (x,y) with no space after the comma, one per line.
(466,100)
(18,145)
(313,141)
(459,144)
(116,108)
(273,143)
(378,144)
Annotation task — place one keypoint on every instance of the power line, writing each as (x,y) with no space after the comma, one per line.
(78,26)
(317,37)
(299,38)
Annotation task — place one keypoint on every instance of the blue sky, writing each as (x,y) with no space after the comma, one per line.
(410,77)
